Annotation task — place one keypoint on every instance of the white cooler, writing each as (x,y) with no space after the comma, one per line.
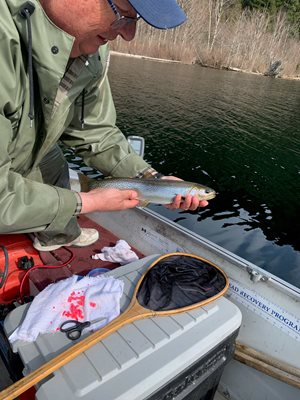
(162,358)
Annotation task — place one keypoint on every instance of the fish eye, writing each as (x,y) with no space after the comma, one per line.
(207,191)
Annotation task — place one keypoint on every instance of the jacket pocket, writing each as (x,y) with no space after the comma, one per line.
(15,119)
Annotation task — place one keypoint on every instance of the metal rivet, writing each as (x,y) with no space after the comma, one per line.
(46,100)
(54,49)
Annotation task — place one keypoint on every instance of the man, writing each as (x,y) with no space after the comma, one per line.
(54,87)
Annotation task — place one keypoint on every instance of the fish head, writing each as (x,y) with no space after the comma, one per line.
(203,192)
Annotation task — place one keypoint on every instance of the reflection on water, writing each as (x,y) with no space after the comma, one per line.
(237,133)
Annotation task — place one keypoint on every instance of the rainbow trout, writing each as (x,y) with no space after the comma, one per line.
(159,191)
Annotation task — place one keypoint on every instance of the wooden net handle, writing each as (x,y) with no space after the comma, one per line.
(132,313)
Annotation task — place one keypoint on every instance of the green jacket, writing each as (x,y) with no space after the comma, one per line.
(26,204)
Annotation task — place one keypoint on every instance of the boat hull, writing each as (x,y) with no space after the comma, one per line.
(269,306)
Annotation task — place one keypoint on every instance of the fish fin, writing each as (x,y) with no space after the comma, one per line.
(143,203)
(190,190)
(84,182)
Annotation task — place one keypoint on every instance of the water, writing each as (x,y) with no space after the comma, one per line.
(235,132)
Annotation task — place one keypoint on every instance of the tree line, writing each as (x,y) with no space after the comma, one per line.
(251,35)
(291,7)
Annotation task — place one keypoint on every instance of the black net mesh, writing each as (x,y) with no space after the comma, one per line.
(179,281)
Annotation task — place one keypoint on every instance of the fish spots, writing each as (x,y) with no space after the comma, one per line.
(92,304)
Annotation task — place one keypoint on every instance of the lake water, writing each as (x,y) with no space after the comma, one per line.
(239,134)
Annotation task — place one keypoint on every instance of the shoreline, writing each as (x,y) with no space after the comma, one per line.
(164,60)
(232,69)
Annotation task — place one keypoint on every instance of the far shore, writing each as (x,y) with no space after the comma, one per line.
(163,60)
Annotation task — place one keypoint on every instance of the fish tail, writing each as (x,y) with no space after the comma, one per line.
(143,203)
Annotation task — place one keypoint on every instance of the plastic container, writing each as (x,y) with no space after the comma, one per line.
(97,271)
(178,357)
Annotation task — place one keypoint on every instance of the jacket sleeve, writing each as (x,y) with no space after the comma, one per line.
(100,142)
(27,205)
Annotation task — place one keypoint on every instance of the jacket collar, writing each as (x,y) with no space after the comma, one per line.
(51,45)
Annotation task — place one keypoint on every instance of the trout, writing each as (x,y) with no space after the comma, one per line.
(158,191)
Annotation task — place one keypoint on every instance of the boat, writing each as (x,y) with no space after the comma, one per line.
(266,363)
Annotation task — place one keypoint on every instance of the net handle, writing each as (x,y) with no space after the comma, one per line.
(132,313)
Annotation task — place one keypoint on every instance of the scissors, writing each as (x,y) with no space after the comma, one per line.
(73,329)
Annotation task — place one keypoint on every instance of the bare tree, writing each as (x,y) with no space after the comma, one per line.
(213,36)
(216,10)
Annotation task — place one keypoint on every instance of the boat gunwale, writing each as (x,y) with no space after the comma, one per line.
(220,251)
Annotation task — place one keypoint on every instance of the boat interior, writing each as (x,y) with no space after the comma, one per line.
(61,264)
(81,258)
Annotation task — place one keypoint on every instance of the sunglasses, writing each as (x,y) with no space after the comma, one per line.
(121,20)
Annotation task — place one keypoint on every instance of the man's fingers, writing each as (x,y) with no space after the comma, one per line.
(176,202)
(194,203)
(186,204)
(130,199)
(130,203)
(130,194)
(203,203)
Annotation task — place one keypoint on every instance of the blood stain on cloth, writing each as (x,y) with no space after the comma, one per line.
(76,307)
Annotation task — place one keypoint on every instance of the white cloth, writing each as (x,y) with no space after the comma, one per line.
(120,253)
(85,299)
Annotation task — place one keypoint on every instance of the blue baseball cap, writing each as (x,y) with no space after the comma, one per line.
(162,14)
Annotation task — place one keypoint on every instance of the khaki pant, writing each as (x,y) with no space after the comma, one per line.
(55,171)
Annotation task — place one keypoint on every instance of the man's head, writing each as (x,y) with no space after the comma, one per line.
(95,22)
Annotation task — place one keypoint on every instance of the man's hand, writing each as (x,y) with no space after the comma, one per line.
(108,200)
(188,202)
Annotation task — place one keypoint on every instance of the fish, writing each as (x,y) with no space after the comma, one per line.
(157,191)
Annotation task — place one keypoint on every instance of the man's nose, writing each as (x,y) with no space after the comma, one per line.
(127,32)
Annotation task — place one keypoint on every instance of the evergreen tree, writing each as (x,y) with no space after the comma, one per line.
(259,4)
(292,8)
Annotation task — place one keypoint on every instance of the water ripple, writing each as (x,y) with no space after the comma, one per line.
(236,132)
